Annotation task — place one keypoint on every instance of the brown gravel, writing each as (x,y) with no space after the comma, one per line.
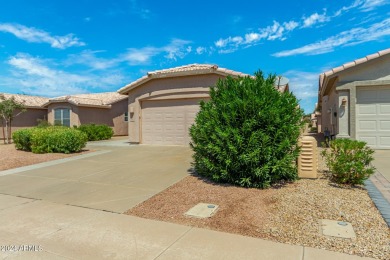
(11,158)
(288,214)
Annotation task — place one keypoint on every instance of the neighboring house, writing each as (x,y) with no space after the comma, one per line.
(163,104)
(101,108)
(355,100)
(313,117)
(34,111)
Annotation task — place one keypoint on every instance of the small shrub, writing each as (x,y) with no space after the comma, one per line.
(247,133)
(53,139)
(43,123)
(349,161)
(22,139)
(96,132)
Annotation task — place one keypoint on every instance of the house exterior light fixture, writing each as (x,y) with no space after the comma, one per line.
(343,102)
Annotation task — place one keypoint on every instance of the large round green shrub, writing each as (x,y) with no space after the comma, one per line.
(96,132)
(247,133)
(54,139)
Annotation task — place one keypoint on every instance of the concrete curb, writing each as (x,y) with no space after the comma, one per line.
(380,202)
(51,163)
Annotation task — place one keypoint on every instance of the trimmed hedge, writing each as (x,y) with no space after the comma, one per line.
(54,139)
(96,132)
(247,133)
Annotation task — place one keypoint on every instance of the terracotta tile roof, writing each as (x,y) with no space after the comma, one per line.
(95,99)
(191,69)
(352,64)
(28,101)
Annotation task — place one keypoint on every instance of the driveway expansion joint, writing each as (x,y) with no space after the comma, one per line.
(174,242)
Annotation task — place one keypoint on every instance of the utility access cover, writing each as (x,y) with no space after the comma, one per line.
(336,228)
(202,210)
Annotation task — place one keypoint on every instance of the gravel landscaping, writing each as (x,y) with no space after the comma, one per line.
(289,213)
(11,158)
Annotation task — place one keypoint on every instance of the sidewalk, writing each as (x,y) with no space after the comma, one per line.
(68,232)
(378,185)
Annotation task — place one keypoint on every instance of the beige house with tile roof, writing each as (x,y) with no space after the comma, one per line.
(355,100)
(163,104)
(34,111)
(108,108)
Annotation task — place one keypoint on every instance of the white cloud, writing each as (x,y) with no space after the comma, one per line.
(200,50)
(274,31)
(88,58)
(347,38)
(36,76)
(135,8)
(369,5)
(304,85)
(31,34)
(291,25)
(177,48)
(315,19)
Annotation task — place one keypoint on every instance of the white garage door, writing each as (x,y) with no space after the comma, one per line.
(167,122)
(373,116)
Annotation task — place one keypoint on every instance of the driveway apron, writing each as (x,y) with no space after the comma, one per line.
(115,179)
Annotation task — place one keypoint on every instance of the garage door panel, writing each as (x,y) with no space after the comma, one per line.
(384,125)
(369,109)
(373,116)
(384,141)
(367,125)
(383,95)
(384,109)
(366,95)
(167,121)
(370,140)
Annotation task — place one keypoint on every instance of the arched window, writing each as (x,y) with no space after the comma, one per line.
(62,116)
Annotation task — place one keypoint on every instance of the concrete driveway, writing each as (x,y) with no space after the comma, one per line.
(382,162)
(114,179)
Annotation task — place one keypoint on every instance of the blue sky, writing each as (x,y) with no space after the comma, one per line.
(54,48)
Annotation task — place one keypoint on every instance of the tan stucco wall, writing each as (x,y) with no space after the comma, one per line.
(117,115)
(376,69)
(113,117)
(373,73)
(27,119)
(194,86)
(329,106)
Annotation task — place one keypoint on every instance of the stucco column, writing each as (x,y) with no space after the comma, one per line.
(343,114)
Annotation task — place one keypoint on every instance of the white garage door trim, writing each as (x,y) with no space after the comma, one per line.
(167,122)
(373,116)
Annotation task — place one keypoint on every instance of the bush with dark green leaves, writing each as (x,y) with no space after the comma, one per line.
(96,132)
(349,161)
(247,133)
(54,139)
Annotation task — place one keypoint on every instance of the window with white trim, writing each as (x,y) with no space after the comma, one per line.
(62,116)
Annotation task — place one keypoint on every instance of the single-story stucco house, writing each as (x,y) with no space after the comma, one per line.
(163,104)
(108,108)
(34,110)
(355,100)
